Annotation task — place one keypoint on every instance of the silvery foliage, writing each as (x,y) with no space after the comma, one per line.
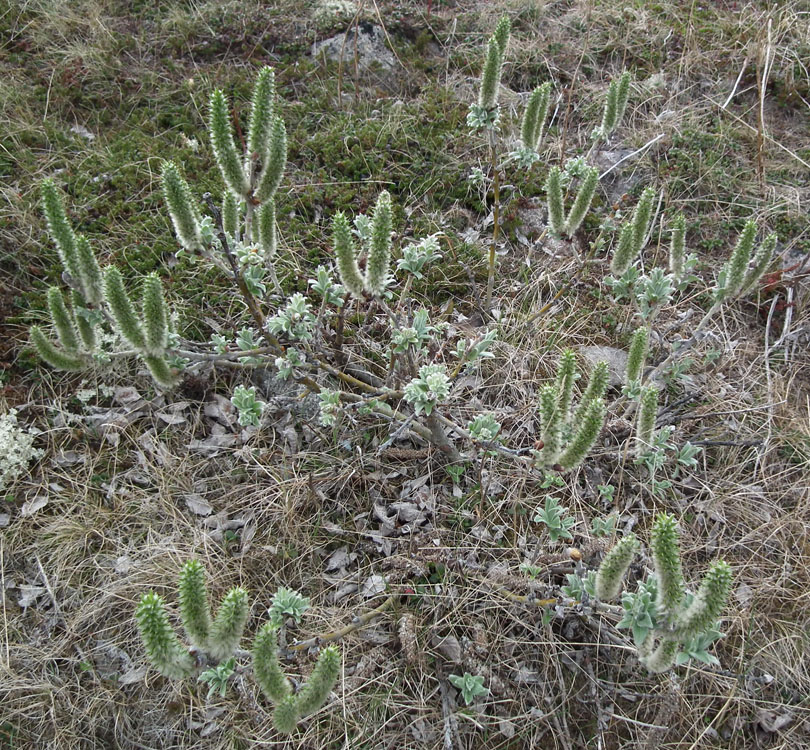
(16,449)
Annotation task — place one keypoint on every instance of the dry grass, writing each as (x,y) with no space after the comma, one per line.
(286,499)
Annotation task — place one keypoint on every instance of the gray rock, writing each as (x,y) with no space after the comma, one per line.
(616,359)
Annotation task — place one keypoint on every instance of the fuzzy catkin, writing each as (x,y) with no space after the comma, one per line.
(624,252)
(126,320)
(583,200)
(54,356)
(585,434)
(286,716)
(226,630)
(645,423)
(262,109)
(160,371)
(737,265)
(63,321)
(346,255)
(666,555)
(556,216)
(534,117)
(155,314)
(708,603)
(637,355)
(491,76)
(193,598)
(762,258)
(320,683)
(183,210)
(225,153)
(677,247)
(266,224)
(502,33)
(663,657)
(596,388)
(379,254)
(566,375)
(86,329)
(642,216)
(551,423)
(266,667)
(614,566)
(162,646)
(89,271)
(230,215)
(60,229)
(275,162)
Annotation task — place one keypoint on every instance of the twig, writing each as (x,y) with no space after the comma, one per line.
(357,623)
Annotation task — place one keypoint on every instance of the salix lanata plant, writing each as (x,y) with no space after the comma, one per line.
(218,639)
(98,297)
(562,224)
(669,624)
(568,435)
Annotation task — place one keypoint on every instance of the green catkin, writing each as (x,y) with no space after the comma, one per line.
(155,314)
(677,248)
(183,210)
(642,215)
(615,104)
(585,434)
(597,387)
(583,201)
(534,117)
(624,252)
(286,716)
(346,255)
(320,683)
(663,657)
(86,329)
(566,375)
(54,356)
(160,371)
(556,216)
(123,312)
(637,355)
(266,223)
(63,321)
(275,162)
(614,566)
(666,555)
(736,267)
(379,253)
(89,272)
(645,422)
(226,630)
(762,258)
(193,597)
(266,667)
(502,33)
(491,76)
(230,215)
(551,424)
(61,231)
(708,603)
(262,109)
(622,95)
(225,153)
(163,649)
